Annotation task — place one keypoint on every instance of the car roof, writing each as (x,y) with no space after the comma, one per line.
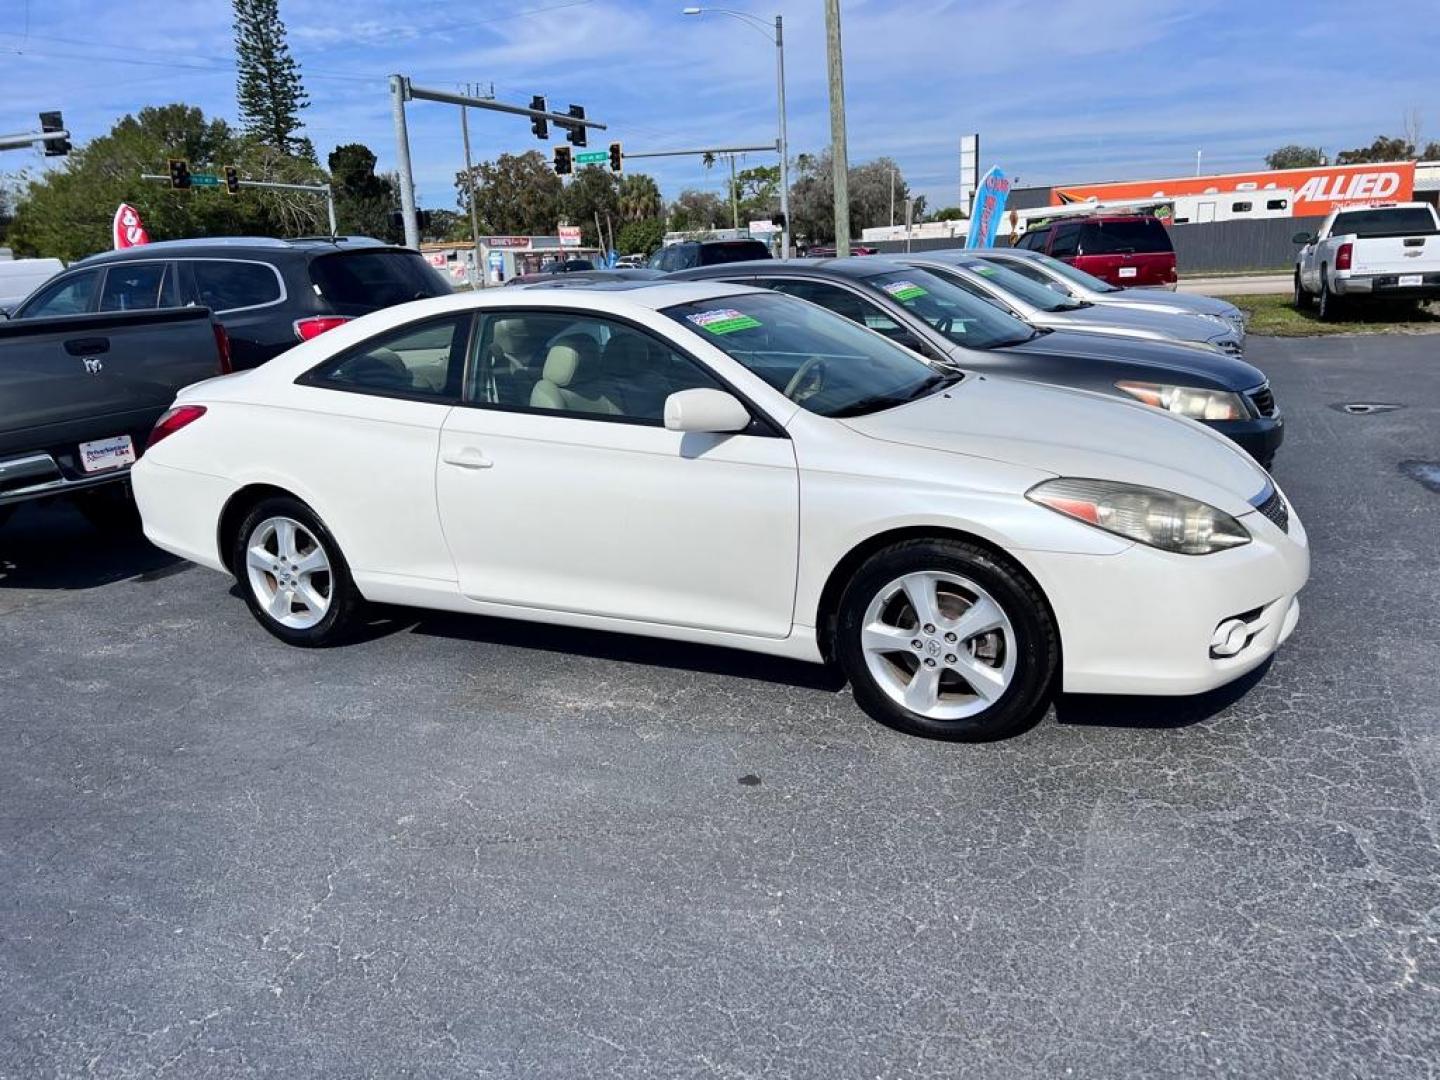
(654,295)
(855,267)
(948,256)
(229,246)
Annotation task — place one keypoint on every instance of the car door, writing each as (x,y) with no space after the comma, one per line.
(560,487)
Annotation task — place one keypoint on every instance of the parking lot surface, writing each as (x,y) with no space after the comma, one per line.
(465,847)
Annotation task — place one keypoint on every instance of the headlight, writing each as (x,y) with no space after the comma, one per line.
(1161,519)
(1192,401)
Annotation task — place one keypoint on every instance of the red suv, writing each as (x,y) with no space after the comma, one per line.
(1124,249)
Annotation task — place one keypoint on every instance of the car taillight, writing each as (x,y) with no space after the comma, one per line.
(222,347)
(305,329)
(1343,255)
(172,421)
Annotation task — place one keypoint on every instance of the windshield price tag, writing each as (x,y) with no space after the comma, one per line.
(904,290)
(723,321)
(984,271)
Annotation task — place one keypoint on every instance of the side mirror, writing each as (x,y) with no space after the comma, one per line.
(705,410)
(1302,238)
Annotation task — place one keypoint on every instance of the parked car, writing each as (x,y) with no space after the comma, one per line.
(634,459)
(952,327)
(631,262)
(691,253)
(1038,305)
(827,251)
(1124,249)
(1387,252)
(552,270)
(269,294)
(595,277)
(79,394)
(1075,283)
(20,277)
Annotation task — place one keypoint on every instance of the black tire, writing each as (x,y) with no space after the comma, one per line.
(346,605)
(1328,306)
(5,512)
(110,508)
(1037,646)
(1303,300)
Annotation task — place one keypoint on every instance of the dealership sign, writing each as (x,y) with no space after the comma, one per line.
(989,207)
(1317,191)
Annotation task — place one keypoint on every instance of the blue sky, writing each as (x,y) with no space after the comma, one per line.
(1060,90)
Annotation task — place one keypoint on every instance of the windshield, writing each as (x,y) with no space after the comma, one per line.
(1384,220)
(821,361)
(1022,288)
(1079,277)
(950,310)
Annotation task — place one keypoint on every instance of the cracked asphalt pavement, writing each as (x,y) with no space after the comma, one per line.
(470,848)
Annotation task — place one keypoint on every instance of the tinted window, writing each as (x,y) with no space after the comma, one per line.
(1411,219)
(580,365)
(419,360)
(1029,270)
(1034,241)
(821,361)
(69,296)
(1067,241)
(1138,236)
(225,286)
(138,287)
(729,251)
(358,282)
(843,302)
(1010,284)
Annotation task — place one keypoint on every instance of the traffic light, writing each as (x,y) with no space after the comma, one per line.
(615,157)
(538,124)
(232,180)
(778,220)
(52,121)
(576,132)
(179,173)
(563,166)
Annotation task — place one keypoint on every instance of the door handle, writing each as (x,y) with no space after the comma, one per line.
(467,457)
(87,346)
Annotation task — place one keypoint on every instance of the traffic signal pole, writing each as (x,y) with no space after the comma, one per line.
(29,138)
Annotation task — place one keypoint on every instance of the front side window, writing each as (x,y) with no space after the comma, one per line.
(821,361)
(68,297)
(577,364)
(1067,241)
(223,285)
(416,361)
(962,313)
(1035,240)
(141,286)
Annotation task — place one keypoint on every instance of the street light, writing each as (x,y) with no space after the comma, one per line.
(783,144)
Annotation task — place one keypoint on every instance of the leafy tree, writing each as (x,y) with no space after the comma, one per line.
(267,86)
(592,191)
(758,192)
(364,201)
(1295,157)
(1382,149)
(812,197)
(948,213)
(515,195)
(698,211)
(639,197)
(640,237)
(1430,152)
(66,213)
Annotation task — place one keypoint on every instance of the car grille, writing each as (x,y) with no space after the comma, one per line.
(1263,398)
(1275,509)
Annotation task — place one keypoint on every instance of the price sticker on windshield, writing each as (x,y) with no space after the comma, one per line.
(984,271)
(905,290)
(723,321)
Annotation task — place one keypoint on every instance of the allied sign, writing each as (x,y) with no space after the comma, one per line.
(1317,190)
(985,215)
(569,235)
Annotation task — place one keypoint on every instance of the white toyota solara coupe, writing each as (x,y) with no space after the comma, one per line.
(731,466)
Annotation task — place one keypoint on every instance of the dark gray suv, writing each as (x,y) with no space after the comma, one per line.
(268,294)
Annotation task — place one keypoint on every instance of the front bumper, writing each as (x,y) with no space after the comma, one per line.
(1141,622)
(1259,437)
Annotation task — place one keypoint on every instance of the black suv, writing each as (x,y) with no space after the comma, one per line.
(268,294)
(692,253)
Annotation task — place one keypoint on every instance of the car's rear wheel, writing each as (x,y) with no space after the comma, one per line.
(1328,306)
(945,639)
(1302,298)
(294,577)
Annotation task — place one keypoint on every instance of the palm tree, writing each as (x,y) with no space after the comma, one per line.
(639,197)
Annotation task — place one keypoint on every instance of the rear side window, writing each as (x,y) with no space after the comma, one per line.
(356,283)
(1140,236)
(68,297)
(1067,241)
(225,285)
(732,251)
(1412,219)
(139,286)
(422,360)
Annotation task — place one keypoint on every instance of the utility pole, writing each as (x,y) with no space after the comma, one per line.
(892,196)
(1197,162)
(784,144)
(840,157)
(398,90)
(470,180)
(734,198)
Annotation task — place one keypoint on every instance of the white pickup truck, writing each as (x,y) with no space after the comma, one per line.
(1385,251)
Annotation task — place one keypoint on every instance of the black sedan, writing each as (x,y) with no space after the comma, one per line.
(948,325)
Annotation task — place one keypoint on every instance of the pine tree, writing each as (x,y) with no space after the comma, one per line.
(268,88)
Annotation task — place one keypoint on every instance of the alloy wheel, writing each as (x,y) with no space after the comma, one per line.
(289,572)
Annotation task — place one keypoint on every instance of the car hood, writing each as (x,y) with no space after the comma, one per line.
(1160,300)
(1172,361)
(1074,433)
(1112,318)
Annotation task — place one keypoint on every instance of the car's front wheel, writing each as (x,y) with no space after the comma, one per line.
(296,582)
(945,639)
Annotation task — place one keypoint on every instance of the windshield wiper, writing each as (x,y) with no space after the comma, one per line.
(878,402)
